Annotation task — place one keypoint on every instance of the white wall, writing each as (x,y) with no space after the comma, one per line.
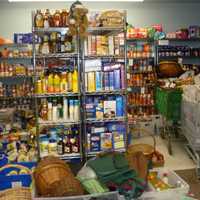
(16,17)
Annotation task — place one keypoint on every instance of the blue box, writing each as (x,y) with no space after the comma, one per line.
(9,181)
(95,142)
(106,81)
(117,79)
(99,84)
(119,106)
(111,80)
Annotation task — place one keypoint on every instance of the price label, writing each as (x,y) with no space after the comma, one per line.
(142,90)
(16,184)
(130,62)
(163,42)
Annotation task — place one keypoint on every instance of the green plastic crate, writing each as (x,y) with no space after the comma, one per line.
(168,103)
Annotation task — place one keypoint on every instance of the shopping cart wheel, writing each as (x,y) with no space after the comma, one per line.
(169,144)
(163,133)
(198,173)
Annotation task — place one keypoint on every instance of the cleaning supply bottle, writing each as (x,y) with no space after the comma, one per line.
(75,81)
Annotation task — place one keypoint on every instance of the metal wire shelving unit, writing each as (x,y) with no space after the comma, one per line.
(104,31)
(75,56)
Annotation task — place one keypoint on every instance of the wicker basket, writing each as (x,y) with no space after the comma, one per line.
(16,194)
(148,150)
(53,178)
(169,69)
(111,18)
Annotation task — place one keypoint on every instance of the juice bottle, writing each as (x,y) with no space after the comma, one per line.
(75,81)
(50,81)
(63,83)
(56,83)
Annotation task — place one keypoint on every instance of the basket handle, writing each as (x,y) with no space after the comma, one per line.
(15,166)
(149,133)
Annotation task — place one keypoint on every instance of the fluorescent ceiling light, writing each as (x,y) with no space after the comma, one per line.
(73,0)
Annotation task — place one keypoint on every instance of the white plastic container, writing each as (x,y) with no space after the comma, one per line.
(103,196)
(170,194)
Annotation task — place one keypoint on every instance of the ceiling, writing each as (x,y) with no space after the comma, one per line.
(148,1)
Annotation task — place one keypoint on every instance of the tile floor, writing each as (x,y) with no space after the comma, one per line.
(180,159)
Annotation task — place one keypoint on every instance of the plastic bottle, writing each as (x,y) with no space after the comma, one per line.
(60,147)
(39,20)
(50,85)
(75,81)
(59,110)
(50,111)
(56,83)
(64,18)
(65,109)
(44,84)
(57,19)
(76,110)
(54,111)
(44,111)
(165,178)
(63,83)
(69,78)
(71,110)
(45,49)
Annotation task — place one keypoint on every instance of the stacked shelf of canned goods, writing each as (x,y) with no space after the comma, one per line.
(104,89)
(57,91)
(141,78)
(16,103)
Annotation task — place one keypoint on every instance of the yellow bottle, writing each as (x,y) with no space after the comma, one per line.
(69,80)
(39,87)
(50,82)
(44,84)
(56,83)
(63,83)
(75,81)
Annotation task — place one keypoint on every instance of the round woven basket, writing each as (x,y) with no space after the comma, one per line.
(148,150)
(169,69)
(53,178)
(16,194)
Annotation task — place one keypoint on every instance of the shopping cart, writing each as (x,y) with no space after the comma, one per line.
(168,104)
